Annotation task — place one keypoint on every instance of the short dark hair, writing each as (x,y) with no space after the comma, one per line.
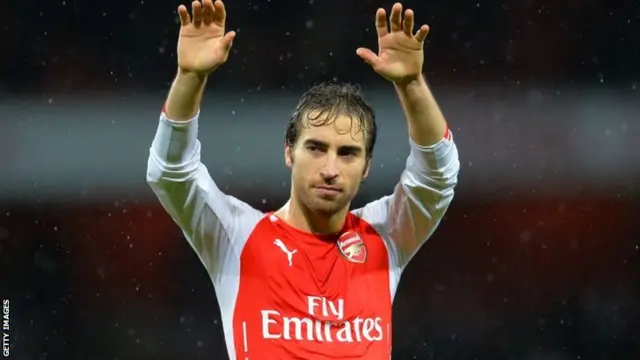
(331,100)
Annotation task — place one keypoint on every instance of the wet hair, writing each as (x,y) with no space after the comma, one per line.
(323,103)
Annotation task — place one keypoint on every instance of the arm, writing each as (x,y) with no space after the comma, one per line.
(214,224)
(408,217)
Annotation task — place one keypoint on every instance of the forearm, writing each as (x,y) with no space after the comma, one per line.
(185,95)
(426,123)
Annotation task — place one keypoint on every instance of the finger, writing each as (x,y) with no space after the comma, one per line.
(395,18)
(422,33)
(207,11)
(228,39)
(407,23)
(368,56)
(221,13)
(196,11)
(381,23)
(183,13)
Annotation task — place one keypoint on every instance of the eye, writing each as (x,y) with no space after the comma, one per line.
(314,148)
(348,153)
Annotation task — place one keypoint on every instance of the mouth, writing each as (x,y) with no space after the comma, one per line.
(327,190)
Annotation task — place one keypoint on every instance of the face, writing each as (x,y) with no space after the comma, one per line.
(328,163)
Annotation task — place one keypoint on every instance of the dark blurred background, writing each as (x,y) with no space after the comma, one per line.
(537,258)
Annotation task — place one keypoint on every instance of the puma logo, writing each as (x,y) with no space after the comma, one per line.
(284,249)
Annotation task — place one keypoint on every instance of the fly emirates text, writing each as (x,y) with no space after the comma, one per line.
(334,329)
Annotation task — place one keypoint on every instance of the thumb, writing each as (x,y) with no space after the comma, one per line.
(227,40)
(368,56)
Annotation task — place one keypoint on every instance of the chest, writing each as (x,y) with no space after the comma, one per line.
(329,281)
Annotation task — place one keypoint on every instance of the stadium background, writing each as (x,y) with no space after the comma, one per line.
(538,257)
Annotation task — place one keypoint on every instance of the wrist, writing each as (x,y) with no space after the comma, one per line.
(410,83)
(191,76)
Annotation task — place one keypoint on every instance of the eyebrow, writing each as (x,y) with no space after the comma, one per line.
(355,149)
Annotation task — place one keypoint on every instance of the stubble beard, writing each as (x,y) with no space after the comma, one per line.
(324,207)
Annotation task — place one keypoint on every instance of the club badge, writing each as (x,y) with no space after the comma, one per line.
(352,247)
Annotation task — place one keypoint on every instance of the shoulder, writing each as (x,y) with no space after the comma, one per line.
(360,230)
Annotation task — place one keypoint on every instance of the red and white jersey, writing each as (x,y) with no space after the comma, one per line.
(287,294)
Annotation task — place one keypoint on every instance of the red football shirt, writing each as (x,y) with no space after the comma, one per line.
(287,294)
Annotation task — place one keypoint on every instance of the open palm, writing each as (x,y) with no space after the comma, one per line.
(400,52)
(203,45)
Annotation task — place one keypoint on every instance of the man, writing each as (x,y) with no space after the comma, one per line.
(312,280)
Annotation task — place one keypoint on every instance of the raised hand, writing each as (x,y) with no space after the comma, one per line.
(400,51)
(203,45)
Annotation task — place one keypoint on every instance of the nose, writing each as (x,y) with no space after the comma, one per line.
(329,171)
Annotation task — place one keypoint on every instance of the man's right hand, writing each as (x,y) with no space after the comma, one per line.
(203,45)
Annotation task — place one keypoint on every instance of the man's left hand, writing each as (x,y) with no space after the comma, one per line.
(400,51)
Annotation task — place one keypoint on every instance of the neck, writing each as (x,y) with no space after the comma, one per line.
(302,218)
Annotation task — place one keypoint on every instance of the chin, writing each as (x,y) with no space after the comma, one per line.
(327,207)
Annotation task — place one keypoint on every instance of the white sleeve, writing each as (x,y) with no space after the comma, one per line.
(407,218)
(216,225)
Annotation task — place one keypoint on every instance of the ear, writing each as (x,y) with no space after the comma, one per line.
(288,156)
(367,167)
